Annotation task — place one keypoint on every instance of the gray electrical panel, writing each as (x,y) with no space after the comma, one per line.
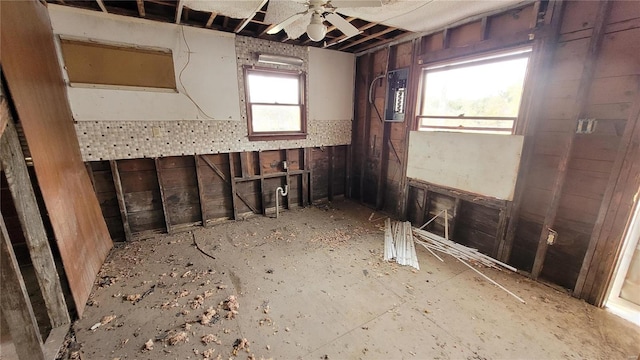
(396,104)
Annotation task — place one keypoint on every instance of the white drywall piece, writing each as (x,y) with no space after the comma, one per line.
(235,9)
(204,64)
(331,84)
(483,164)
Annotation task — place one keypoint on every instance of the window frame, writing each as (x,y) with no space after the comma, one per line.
(276,135)
(456,63)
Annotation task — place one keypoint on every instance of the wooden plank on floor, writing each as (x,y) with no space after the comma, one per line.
(14,303)
(35,235)
(120,196)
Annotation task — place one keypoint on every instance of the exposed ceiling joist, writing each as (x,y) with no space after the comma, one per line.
(211,18)
(343,37)
(102,7)
(141,8)
(367,38)
(179,8)
(246,21)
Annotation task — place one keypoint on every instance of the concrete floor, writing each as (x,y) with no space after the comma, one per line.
(312,285)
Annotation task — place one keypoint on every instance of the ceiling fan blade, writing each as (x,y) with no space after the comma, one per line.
(342,24)
(276,29)
(356,3)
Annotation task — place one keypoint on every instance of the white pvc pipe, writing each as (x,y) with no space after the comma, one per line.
(283,193)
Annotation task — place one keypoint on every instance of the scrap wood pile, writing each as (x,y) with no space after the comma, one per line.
(398,243)
(432,242)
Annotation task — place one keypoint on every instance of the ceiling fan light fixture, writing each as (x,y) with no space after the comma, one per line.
(316,30)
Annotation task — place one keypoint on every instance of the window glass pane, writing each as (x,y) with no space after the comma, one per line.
(483,90)
(271,118)
(273,89)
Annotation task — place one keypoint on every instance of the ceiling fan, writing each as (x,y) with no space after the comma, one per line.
(319,11)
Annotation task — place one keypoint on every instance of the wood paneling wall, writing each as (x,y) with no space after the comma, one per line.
(30,64)
(595,195)
(141,197)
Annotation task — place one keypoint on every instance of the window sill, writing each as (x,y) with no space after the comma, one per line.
(280,136)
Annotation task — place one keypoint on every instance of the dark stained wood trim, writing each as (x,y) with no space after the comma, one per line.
(163,200)
(115,173)
(15,304)
(203,206)
(35,235)
(581,101)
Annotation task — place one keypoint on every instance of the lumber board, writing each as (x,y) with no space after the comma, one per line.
(35,235)
(15,305)
(232,172)
(121,200)
(165,206)
(31,68)
(203,206)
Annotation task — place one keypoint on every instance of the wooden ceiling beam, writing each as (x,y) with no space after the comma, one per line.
(179,8)
(102,7)
(382,42)
(211,18)
(367,38)
(344,37)
(246,21)
(141,11)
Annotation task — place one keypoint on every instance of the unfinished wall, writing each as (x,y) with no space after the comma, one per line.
(140,197)
(602,175)
(207,114)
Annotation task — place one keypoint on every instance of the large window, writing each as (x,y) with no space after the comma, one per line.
(275,104)
(481,95)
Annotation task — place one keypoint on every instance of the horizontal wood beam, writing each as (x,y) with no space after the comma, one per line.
(367,38)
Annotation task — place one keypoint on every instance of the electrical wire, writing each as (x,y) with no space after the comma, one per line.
(186,92)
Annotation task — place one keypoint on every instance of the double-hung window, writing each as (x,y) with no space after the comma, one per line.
(480,95)
(275,104)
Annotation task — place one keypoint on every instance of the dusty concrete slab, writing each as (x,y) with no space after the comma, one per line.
(312,284)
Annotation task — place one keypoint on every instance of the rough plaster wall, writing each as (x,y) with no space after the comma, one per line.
(101,140)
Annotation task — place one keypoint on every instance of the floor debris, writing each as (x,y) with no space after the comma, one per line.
(178,338)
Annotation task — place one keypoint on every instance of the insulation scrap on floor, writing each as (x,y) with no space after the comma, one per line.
(398,243)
